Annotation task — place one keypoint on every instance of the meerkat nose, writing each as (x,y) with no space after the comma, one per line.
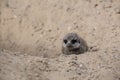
(69,45)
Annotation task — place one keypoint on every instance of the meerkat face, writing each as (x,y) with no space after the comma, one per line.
(71,41)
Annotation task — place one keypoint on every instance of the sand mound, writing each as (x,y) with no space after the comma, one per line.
(89,66)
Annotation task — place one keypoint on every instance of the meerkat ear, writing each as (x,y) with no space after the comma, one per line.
(79,41)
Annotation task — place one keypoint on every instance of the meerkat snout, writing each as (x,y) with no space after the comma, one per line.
(73,44)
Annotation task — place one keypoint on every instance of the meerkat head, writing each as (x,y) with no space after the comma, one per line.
(71,41)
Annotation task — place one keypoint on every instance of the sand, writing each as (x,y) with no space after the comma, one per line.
(31,33)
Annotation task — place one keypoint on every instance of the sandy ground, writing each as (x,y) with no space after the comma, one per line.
(31,33)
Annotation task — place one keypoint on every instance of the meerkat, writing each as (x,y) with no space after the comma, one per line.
(73,44)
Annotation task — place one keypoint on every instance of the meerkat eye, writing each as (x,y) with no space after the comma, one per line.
(65,41)
(73,41)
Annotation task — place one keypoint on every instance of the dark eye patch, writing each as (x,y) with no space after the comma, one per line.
(65,41)
(73,41)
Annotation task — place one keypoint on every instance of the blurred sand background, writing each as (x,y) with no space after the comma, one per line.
(31,33)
